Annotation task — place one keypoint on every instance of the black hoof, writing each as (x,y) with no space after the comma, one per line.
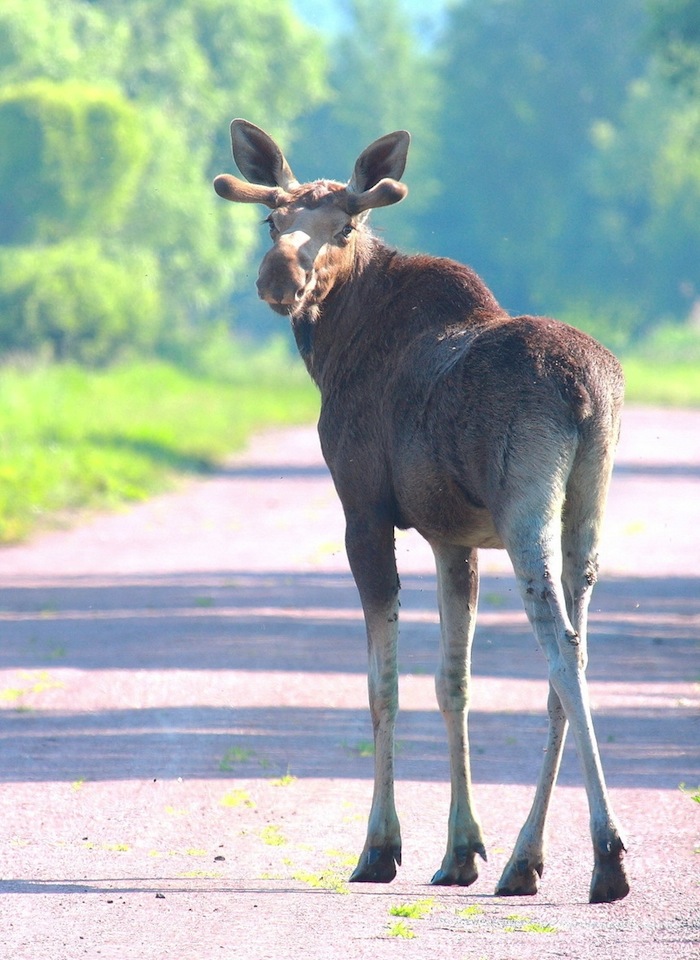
(377,865)
(520,879)
(459,867)
(609,882)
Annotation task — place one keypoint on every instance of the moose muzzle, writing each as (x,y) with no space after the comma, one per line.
(287,270)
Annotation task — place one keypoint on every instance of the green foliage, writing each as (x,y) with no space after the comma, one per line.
(522,82)
(72,158)
(113,122)
(645,177)
(660,383)
(401,930)
(555,148)
(577,167)
(381,80)
(524,925)
(201,59)
(674,34)
(414,911)
(70,300)
(272,835)
(59,40)
(693,794)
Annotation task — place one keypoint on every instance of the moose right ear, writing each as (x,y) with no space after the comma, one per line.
(383,159)
(259,158)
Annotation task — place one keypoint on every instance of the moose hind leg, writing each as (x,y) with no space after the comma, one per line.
(541,585)
(523,871)
(370,548)
(458,582)
(580,571)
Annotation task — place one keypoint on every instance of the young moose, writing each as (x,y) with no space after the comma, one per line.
(441,412)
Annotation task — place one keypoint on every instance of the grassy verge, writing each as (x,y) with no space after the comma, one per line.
(662,383)
(72,439)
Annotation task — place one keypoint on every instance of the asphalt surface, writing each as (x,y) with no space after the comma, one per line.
(184,736)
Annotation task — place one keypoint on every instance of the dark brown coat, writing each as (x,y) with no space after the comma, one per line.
(441,412)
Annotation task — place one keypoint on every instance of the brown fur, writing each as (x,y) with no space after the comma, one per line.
(441,412)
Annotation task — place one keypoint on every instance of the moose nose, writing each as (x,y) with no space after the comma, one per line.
(285,272)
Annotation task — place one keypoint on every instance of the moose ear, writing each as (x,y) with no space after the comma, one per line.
(385,158)
(259,158)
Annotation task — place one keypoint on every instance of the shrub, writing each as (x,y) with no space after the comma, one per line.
(71,301)
(72,159)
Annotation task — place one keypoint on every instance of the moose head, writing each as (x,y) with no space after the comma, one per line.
(311,224)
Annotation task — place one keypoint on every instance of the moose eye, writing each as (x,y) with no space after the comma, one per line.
(345,232)
(271,224)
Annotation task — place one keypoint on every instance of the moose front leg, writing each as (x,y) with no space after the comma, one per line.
(370,548)
(458,585)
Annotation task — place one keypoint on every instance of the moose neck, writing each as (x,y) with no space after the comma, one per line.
(385,297)
(325,325)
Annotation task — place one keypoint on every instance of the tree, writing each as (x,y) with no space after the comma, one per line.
(72,300)
(645,177)
(674,35)
(73,157)
(116,121)
(381,79)
(60,40)
(522,84)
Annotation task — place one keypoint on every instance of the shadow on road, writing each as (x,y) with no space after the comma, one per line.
(642,631)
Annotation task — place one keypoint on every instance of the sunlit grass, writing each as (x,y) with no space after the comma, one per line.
(328,879)
(661,383)
(414,911)
(72,439)
(237,798)
(401,930)
(273,836)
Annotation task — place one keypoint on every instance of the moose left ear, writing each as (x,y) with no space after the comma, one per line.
(385,158)
(258,157)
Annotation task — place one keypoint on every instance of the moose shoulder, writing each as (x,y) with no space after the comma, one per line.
(441,412)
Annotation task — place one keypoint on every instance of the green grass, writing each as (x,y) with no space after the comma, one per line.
(662,383)
(329,879)
(237,798)
(284,781)
(272,835)
(413,911)
(72,439)
(401,929)
(233,756)
(525,925)
(468,913)
(692,793)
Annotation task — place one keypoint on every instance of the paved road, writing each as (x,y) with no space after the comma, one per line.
(184,731)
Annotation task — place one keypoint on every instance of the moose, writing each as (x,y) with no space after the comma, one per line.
(443,413)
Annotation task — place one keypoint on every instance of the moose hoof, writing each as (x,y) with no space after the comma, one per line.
(609,882)
(520,879)
(377,865)
(459,867)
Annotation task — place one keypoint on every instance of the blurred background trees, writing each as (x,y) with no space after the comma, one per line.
(556,148)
